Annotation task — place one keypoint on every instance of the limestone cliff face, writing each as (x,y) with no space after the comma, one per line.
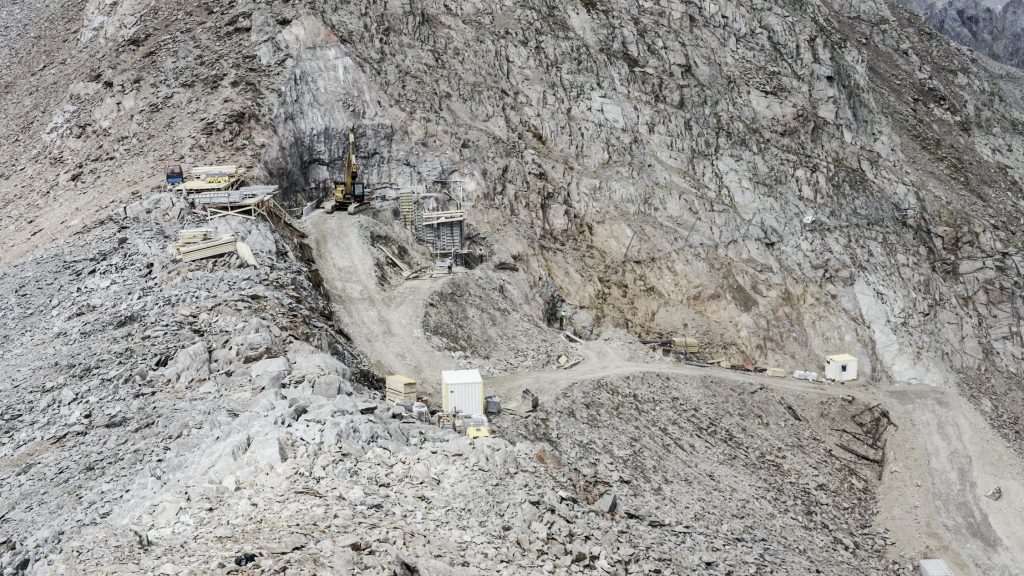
(995,31)
(783,180)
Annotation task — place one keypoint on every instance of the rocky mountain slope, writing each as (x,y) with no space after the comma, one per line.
(99,96)
(781,180)
(785,182)
(995,31)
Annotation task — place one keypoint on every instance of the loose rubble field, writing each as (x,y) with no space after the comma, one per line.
(344,491)
(477,314)
(726,478)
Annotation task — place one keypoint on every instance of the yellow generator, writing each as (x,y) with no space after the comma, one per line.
(349,194)
(477,427)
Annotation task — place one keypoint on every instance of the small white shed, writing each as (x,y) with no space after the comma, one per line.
(462,391)
(934,567)
(841,368)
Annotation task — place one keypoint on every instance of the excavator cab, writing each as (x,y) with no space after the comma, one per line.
(174,175)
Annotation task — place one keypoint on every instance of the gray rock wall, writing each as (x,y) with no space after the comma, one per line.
(783,181)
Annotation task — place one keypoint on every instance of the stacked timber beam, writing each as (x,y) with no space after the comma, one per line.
(199,243)
(203,243)
(399,388)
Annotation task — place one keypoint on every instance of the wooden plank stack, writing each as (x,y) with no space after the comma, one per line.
(400,388)
(201,243)
(194,236)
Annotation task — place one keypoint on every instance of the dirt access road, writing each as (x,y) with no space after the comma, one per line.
(386,324)
(940,461)
(939,465)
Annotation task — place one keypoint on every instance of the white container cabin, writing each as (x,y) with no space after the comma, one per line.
(841,368)
(462,391)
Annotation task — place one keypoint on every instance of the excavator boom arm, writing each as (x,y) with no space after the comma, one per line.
(349,192)
(351,166)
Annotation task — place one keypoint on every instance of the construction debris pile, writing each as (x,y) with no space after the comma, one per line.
(216,191)
(868,443)
(213,192)
(202,243)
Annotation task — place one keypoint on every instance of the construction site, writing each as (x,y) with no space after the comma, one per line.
(446,288)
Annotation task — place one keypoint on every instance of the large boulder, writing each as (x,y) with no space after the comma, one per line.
(265,451)
(269,373)
(331,386)
(309,361)
(254,340)
(188,365)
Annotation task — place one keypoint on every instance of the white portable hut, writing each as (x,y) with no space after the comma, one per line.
(841,367)
(462,391)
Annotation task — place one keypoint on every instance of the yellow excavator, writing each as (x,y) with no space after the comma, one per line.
(349,194)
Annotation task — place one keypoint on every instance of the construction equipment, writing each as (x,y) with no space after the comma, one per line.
(350,193)
(446,420)
(210,178)
(689,345)
(477,426)
(174,175)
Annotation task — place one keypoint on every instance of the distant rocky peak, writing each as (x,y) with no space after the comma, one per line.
(992,27)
